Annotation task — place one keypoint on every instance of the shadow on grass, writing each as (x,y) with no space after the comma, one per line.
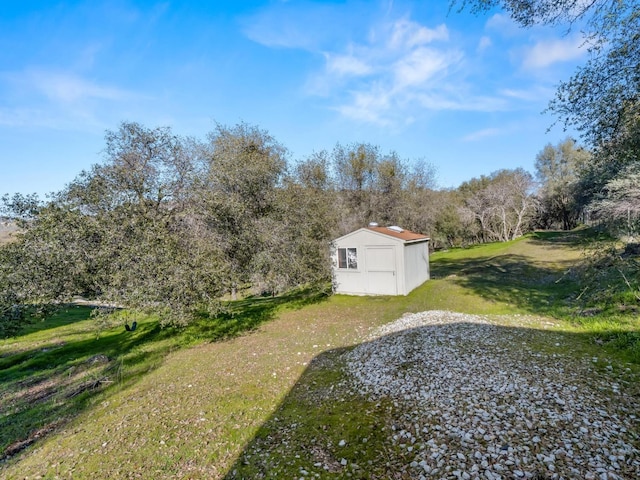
(576,238)
(61,317)
(551,285)
(45,385)
(323,428)
(514,280)
(242,316)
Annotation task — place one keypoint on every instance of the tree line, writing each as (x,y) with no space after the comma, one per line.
(173,224)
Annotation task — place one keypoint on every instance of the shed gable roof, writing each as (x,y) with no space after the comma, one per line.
(404,236)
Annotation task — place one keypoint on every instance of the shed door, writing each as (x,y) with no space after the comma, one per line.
(381,270)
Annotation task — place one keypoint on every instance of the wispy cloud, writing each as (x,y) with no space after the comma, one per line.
(297,25)
(417,66)
(484,43)
(547,52)
(538,47)
(404,33)
(403,60)
(392,69)
(397,72)
(347,65)
(482,134)
(368,106)
(69,88)
(58,99)
(532,94)
(405,69)
(503,24)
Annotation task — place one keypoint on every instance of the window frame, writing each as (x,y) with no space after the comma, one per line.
(345,263)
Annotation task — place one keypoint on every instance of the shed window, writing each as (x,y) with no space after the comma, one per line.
(348,258)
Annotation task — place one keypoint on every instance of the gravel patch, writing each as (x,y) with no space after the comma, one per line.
(478,402)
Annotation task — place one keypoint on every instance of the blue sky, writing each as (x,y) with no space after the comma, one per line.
(463,92)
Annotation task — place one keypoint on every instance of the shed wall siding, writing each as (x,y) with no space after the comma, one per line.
(416,265)
(386,265)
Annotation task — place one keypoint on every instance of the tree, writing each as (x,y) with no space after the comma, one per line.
(123,232)
(296,234)
(239,194)
(355,173)
(388,190)
(502,204)
(619,205)
(610,161)
(558,170)
(475,207)
(419,203)
(452,226)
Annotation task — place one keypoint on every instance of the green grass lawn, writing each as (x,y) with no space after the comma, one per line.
(80,399)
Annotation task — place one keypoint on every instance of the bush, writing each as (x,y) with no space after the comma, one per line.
(610,278)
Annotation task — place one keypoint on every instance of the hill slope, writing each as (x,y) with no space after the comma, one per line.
(276,401)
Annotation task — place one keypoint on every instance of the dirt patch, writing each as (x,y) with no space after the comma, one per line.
(20,445)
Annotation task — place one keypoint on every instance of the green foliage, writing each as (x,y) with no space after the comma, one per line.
(619,204)
(121,232)
(558,170)
(168,225)
(450,228)
(609,280)
(245,165)
(501,205)
(12,314)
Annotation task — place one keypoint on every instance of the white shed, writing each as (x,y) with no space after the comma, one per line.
(380,261)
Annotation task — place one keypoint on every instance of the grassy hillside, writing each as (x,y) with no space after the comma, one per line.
(81,399)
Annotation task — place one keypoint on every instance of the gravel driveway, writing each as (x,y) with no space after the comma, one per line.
(481,401)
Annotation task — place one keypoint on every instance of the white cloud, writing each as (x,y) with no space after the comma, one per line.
(64,87)
(405,33)
(418,66)
(368,106)
(304,25)
(533,94)
(503,24)
(401,69)
(484,43)
(60,100)
(460,100)
(548,52)
(388,71)
(482,134)
(347,65)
